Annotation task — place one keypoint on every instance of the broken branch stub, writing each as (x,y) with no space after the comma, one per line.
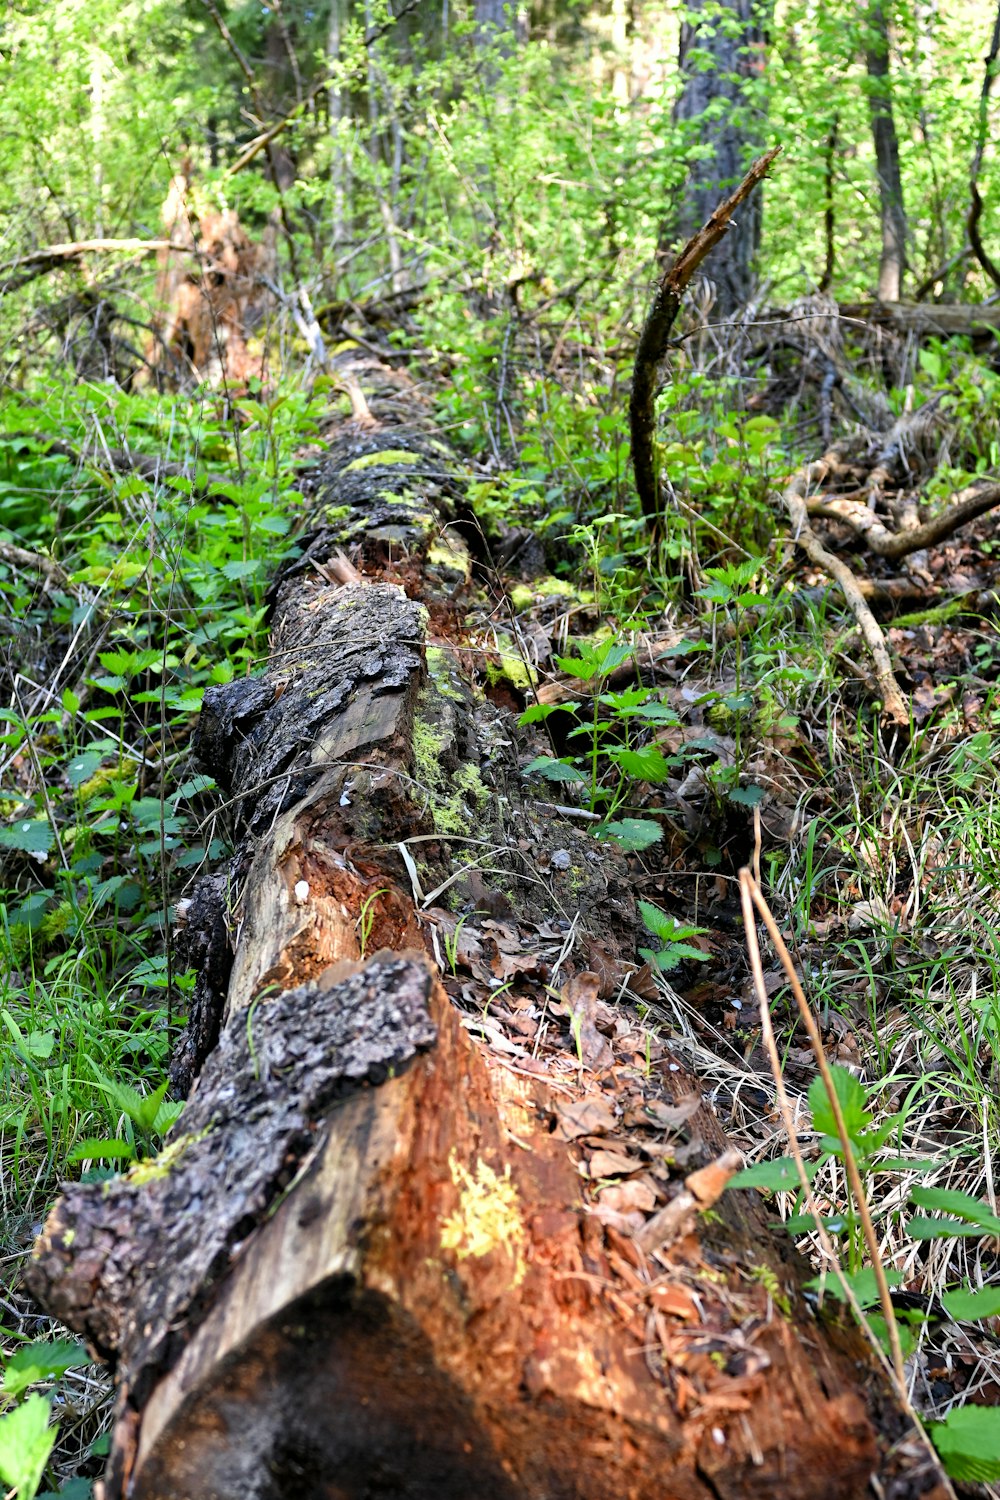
(652,346)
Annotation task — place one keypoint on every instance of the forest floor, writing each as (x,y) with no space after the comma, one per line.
(703,716)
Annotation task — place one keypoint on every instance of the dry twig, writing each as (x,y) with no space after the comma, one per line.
(751,896)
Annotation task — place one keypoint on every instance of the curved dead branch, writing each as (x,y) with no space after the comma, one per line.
(967,506)
(894,710)
(987,262)
(656,331)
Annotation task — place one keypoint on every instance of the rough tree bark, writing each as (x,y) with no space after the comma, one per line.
(378,1255)
(892,263)
(714,100)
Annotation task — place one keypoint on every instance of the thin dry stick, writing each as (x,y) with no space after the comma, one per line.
(749,895)
(850,1164)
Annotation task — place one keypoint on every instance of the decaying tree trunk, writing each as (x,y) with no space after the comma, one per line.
(379,1256)
(211,297)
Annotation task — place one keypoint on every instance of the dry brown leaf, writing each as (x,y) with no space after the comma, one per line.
(625,1197)
(613,1164)
(668,1116)
(589,1116)
(675,1300)
(580,998)
(708,1184)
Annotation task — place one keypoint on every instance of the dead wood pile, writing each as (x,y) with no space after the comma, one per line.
(214,288)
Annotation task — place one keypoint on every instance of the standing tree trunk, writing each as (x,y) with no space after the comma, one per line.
(890,185)
(339,17)
(714,103)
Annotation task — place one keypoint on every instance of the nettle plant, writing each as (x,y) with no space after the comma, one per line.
(968,1439)
(615,724)
(610,760)
(27,1430)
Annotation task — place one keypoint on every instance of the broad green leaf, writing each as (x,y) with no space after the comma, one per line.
(668,959)
(26,1440)
(648,764)
(236,570)
(610,655)
(942,1229)
(97,1148)
(654,713)
(746,796)
(42,1361)
(968,1441)
(30,836)
(628,700)
(852,1095)
(536,712)
(130,663)
(666,928)
(779,1176)
(806,1223)
(862,1284)
(583,667)
(553,770)
(967,1306)
(83,766)
(632,834)
(950,1201)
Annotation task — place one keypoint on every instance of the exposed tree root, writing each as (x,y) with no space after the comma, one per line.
(894,709)
(970,503)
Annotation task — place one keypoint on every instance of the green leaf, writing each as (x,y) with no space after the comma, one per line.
(536,712)
(129,663)
(98,1148)
(968,1441)
(627,700)
(682,648)
(583,667)
(553,770)
(242,569)
(666,928)
(862,1284)
(38,1044)
(853,1097)
(33,836)
(648,764)
(26,1440)
(82,767)
(966,1306)
(654,713)
(632,834)
(779,1176)
(746,796)
(668,959)
(806,1223)
(941,1229)
(42,1361)
(950,1201)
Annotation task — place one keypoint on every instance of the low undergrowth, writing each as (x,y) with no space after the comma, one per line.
(698,704)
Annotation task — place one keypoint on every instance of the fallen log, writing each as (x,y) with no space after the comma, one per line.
(386,1249)
(937,319)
